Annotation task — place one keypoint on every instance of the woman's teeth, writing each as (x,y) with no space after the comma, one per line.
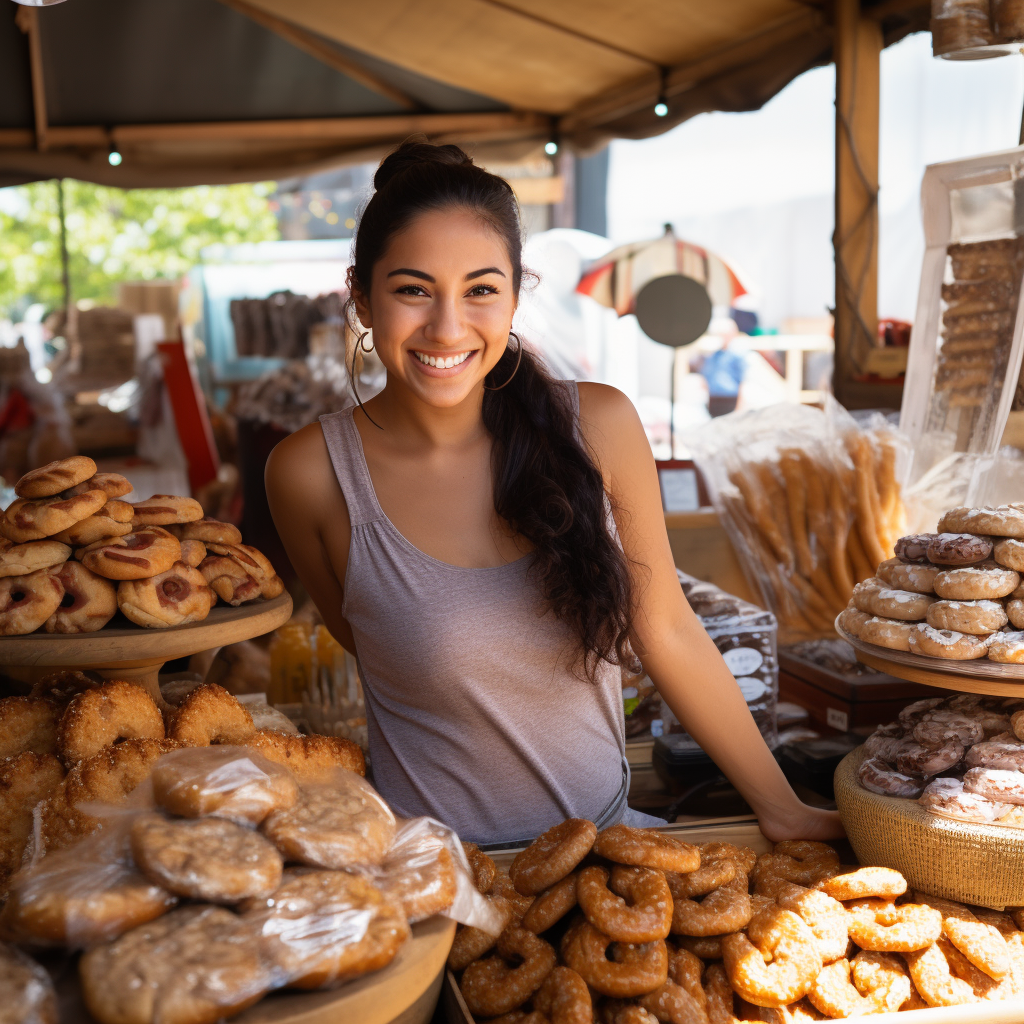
(445,362)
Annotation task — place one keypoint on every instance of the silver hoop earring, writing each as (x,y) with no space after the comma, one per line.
(519,359)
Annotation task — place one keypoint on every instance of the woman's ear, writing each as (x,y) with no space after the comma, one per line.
(359,300)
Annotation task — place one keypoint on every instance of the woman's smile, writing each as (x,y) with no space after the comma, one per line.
(441,364)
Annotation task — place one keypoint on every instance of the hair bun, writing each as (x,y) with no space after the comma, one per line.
(412,154)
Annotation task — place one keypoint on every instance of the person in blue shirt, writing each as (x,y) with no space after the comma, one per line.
(723,370)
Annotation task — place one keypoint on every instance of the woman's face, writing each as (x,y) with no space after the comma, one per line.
(440,305)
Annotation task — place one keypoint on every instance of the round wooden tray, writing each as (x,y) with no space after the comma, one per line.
(404,992)
(980,676)
(134,653)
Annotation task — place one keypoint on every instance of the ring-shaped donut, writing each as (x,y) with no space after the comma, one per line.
(778,935)
(492,987)
(550,906)
(725,909)
(139,555)
(672,1002)
(26,602)
(646,848)
(743,857)
(551,856)
(632,970)
(852,620)
(958,548)
(711,875)
(978,618)
(483,867)
(174,597)
(472,943)
(985,581)
(564,998)
(876,776)
(99,718)
(825,916)
(1009,552)
(886,987)
(930,973)
(88,604)
(946,643)
(1001,521)
(887,927)
(627,904)
(209,714)
(877,882)
(900,604)
(909,576)
(913,548)
(891,633)
(1007,648)
(799,860)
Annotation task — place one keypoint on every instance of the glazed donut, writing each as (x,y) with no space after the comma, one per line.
(945,643)
(915,759)
(711,875)
(491,987)
(1009,552)
(981,944)
(21,559)
(309,757)
(520,904)
(913,548)
(880,883)
(627,904)
(900,604)
(564,997)
(1017,724)
(884,745)
(60,686)
(138,555)
(552,856)
(172,598)
(706,947)
(726,909)
(88,604)
(985,581)
(634,970)
(162,509)
(823,914)
(472,943)
(885,985)
(877,777)
(99,718)
(1002,521)
(912,713)
(228,580)
(743,857)
(886,927)
(27,725)
(978,618)
(851,620)
(864,593)
(947,796)
(192,553)
(54,477)
(419,875)
(115,485)
(940,725)
(27,520)
(798,860)
(550,906)
(1015,612)
(26,602)
(673,1002)
(209,714)
(999,752)
(95,528)
(783,938)
(919,579)
(930,973)
(958,549)
(646,848)
(211,531)
(887,633)
(995,784)
(483,868)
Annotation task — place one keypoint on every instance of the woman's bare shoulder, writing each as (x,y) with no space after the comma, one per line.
(610,424)
(300,465)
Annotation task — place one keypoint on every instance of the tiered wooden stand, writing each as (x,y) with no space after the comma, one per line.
(406,991)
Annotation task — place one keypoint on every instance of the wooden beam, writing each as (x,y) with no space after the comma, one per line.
(889,8)
(858,46)
(627,99)
(27,19)
(308,129)
(318,48)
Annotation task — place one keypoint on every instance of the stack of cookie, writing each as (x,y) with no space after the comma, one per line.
(960,757)
(955,594)
(626,926)
(239,878)
(76,741)
(72,553)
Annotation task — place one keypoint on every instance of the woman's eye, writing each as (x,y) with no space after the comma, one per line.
(483,289)
(410,289)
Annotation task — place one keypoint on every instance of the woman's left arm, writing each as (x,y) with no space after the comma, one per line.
(676,652)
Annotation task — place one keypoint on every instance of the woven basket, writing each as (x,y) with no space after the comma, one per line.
(960,860)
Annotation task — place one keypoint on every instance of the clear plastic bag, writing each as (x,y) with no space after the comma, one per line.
(812,502)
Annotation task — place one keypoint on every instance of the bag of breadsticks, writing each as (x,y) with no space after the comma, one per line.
(812,503)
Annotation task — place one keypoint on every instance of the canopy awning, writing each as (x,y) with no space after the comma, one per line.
(207,91)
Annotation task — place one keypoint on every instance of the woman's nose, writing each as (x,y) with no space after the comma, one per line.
(447,326)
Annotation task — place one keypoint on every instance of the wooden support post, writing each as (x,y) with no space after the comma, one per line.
(27,19)
(858,45)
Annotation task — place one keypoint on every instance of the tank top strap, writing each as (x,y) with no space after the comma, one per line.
(346,450)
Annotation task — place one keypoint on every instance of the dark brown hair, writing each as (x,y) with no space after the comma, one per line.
(546,485)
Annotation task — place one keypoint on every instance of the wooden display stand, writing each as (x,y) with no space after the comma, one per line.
(136,654)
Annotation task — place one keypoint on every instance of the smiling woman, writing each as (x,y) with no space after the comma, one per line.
(455,535)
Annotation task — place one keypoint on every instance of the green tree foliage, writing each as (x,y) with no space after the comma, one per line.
(116,235)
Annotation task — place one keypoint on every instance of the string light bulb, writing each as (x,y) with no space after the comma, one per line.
(661,109)
(660,106)
(551,148)
(114,156)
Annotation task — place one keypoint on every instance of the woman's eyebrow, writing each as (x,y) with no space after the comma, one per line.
(412,273)
(486,270)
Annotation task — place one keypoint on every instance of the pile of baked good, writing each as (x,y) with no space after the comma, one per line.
(72,553)
(629,926)
(234,878)
(75,742)
(960,757)
(951,594)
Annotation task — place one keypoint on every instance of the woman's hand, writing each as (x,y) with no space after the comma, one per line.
(804,822)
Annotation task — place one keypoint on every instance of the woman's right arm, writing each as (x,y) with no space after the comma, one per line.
(312,520)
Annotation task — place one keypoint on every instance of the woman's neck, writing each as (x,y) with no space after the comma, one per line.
(410,420)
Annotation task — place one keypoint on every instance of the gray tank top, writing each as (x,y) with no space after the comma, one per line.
(473,714)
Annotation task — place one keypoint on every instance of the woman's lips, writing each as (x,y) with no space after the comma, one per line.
(442,371)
